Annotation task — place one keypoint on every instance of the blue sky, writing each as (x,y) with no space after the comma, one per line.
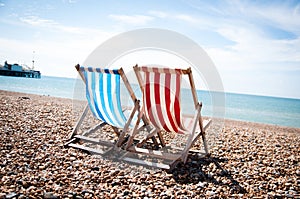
(255,45)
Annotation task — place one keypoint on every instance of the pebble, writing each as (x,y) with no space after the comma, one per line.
(11,195)
(2,195)
(50,195)
(247,160)
(210,193)
(72,158)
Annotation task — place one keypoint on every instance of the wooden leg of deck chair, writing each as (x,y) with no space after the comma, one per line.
(205,143)
(192,138)
(77,137)
(72,140)
(124,131)
(134,131)
(151,134)
(74,132)
(154,141)
(116,130)
(161,139)
(204,127)
(202,134)
(121,138)
(94,128)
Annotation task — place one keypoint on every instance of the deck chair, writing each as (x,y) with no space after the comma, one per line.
(161,106)
(103,96)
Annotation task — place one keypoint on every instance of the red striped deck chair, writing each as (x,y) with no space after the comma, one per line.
(161,106)
(104,102)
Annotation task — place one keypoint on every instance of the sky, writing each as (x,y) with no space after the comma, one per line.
(255,45)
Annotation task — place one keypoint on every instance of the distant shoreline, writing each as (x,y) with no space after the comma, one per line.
(226,92)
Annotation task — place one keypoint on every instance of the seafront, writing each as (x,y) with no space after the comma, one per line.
(249,160)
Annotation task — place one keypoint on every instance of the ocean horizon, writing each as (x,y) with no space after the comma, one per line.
(279,111)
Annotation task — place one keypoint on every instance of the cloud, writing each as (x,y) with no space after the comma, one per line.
(51,25)
(256,64)
(187,18)
(70,1)
(159,14)
(252,50)
(283,15)
(36,21)
(253,30)
(279,14)
(132,19)
(183,17)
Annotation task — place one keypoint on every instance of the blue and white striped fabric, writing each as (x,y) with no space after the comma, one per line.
(103,95)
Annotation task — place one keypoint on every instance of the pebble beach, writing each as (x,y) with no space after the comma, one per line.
(248,160)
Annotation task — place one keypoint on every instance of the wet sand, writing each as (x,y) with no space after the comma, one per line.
(248,160)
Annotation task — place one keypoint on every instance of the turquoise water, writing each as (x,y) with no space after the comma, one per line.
(53,86)
(262,109)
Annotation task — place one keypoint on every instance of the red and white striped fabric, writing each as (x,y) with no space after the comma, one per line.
(162,98)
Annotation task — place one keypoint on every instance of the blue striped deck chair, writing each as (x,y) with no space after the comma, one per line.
(104,102)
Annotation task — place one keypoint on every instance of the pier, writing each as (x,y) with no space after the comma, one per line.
(18,71)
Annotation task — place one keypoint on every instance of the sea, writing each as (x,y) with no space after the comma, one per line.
(252,108)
